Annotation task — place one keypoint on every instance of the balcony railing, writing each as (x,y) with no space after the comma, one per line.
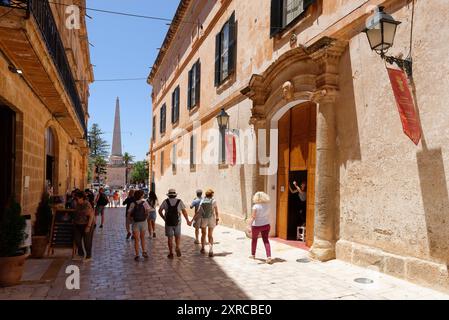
(41,11)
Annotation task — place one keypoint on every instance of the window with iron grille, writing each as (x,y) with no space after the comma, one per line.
(193,91)
(225,51)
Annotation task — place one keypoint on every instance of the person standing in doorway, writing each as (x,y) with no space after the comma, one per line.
(138,212)
(83,220)
(127,202)
(170,211)
(208,213)
(260,223)
(101,202)
(196,223)
(302,193)
(152,201)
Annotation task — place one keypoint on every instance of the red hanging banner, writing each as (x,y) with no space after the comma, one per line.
(406,106)
(231,153)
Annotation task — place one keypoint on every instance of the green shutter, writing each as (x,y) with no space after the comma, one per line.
(232,44)
(276,17)
(198,82)
(217,59)
(189,91)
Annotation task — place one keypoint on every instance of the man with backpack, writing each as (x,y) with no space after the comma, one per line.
(101,201)
(138,212)
(170,210)
(208,215)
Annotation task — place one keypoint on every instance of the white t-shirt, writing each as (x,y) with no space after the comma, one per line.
(262,214)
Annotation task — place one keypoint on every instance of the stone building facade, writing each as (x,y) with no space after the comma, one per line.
(303,86)
(45,72)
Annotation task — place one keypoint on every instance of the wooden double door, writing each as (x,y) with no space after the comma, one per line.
(296,161)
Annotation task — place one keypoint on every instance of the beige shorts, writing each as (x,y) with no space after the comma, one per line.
(208,222)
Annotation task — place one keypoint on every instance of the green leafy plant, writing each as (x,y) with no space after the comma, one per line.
(12,230)
(43,217)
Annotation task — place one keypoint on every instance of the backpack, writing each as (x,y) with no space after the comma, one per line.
(139,213)
(103,200)
(172,215)
(208,209)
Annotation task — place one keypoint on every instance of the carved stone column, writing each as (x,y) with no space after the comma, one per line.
(326,206)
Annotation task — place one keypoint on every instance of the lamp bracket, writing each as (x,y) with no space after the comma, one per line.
(405,64)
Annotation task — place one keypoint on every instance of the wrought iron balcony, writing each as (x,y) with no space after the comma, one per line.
(41,11)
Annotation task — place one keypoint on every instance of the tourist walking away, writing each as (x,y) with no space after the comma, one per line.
(116,198)
(127,202)
(101,201)
(260,223)
(208,214)
(302,193)
(110,198)
(83,220)
(152,201)
(138,212)
(170,210)
(196,223)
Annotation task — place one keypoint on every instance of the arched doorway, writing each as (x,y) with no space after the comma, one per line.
(7,150)
(50,160)
(296,162)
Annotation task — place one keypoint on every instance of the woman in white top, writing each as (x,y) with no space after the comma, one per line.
(260,223)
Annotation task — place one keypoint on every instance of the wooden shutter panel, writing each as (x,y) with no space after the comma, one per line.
(217,59)
(232,44)
(173,107)
(177,104)
(276,17)
(189,91)
(191,150)
(198,83)
(308,3)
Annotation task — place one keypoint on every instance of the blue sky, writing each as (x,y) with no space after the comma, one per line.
(125,47)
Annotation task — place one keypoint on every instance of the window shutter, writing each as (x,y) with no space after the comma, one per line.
(189,91)
(173,107)
(191,150)
(217,59)
(276,17)
(198,82)
(232,44)
(308,3)
(177,104)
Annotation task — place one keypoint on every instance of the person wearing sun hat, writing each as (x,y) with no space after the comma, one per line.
(170,210)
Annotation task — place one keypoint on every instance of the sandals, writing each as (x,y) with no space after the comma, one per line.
(170,256)
(202,250)
(137,258)
(145,255)
(178,253)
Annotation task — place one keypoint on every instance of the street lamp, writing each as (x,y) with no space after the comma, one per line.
(381,31)
(223,119)
(223,122)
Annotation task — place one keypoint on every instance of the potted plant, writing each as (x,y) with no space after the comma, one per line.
(12,234)
(42,227)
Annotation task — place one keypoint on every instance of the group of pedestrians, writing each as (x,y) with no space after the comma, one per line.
(141,214)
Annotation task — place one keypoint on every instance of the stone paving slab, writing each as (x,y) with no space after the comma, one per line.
(113,273)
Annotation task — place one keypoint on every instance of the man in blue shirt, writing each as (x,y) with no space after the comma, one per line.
(196,204)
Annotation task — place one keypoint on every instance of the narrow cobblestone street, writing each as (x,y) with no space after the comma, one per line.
(113,273)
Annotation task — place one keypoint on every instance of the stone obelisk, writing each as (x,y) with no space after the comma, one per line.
(116,171)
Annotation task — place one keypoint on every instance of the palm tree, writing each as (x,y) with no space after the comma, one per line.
(128,159)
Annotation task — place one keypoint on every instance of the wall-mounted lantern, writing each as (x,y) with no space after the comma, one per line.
(223,123)
(381,31)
